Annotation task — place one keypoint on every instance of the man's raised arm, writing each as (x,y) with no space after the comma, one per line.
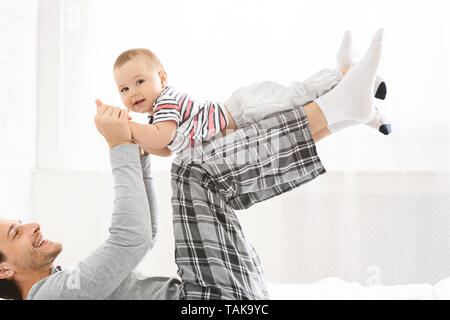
(130,234)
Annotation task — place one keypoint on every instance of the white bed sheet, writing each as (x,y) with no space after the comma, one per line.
(338,289)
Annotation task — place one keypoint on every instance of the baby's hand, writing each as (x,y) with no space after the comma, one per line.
(142,152)
(99,103)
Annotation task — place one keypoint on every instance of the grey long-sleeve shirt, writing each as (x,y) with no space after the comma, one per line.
(107,273)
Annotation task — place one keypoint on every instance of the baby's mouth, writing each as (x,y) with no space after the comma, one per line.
(137,103)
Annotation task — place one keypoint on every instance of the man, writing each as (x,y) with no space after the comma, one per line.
(26,262)
(215,261)
(214,258)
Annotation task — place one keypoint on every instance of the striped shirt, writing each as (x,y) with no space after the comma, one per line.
(197,120)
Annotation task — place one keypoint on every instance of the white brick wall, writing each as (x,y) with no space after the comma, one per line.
(18,74)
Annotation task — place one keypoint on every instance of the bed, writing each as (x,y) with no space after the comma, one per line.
(337,289)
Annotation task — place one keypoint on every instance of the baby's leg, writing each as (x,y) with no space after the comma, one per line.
(302,93)
(256,102)
(379,123)
(263,99)
(353,98)
(321,134)
(346,57)
(322,82)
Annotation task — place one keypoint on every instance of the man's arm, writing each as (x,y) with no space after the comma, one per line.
(130,233)
(150,136)
(130,236)
(151,195)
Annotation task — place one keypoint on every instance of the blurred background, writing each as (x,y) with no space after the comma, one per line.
(380,216)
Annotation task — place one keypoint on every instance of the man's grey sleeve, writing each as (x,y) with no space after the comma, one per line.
(130,233)
(98,275)
(151,196)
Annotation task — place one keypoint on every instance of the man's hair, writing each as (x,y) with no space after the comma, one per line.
(8,288)
(140,52)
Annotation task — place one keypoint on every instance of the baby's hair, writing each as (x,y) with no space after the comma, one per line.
(140,52)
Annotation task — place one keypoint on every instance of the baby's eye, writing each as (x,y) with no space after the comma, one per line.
(124,90)
(15,234)
(139,82)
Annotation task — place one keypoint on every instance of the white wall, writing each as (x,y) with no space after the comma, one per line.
(18,64)
(211,48)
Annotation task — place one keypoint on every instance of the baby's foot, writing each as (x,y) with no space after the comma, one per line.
(379,123)
(346,57)
(352,98)
(346,53)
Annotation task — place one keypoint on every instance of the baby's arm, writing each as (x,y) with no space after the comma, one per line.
(165,152)
(153,137)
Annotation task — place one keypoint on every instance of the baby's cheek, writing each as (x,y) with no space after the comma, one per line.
(127,103)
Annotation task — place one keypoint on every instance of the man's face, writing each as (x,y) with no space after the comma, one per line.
(23,247)
(139,84)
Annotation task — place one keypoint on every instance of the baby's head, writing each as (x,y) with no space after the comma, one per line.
(140,78)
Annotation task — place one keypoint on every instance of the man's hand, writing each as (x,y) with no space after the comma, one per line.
(112,123)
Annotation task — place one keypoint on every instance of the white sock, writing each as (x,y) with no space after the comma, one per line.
(352,98)
(346,54)
(379,123)
(346,57)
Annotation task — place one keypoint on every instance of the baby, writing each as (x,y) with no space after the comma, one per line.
(177,121)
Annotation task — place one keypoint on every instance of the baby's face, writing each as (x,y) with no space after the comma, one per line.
(139,84)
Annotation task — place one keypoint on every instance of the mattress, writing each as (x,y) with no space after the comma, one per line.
(338,289)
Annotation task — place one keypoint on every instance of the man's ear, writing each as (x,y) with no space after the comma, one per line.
(163,77)
(6,272)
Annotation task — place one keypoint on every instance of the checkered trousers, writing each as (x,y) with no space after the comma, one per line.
(211,180)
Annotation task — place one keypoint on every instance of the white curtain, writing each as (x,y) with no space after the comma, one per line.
(18,72)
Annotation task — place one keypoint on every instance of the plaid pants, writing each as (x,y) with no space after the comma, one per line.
(211,180)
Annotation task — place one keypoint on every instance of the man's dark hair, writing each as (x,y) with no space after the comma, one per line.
(8,288)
